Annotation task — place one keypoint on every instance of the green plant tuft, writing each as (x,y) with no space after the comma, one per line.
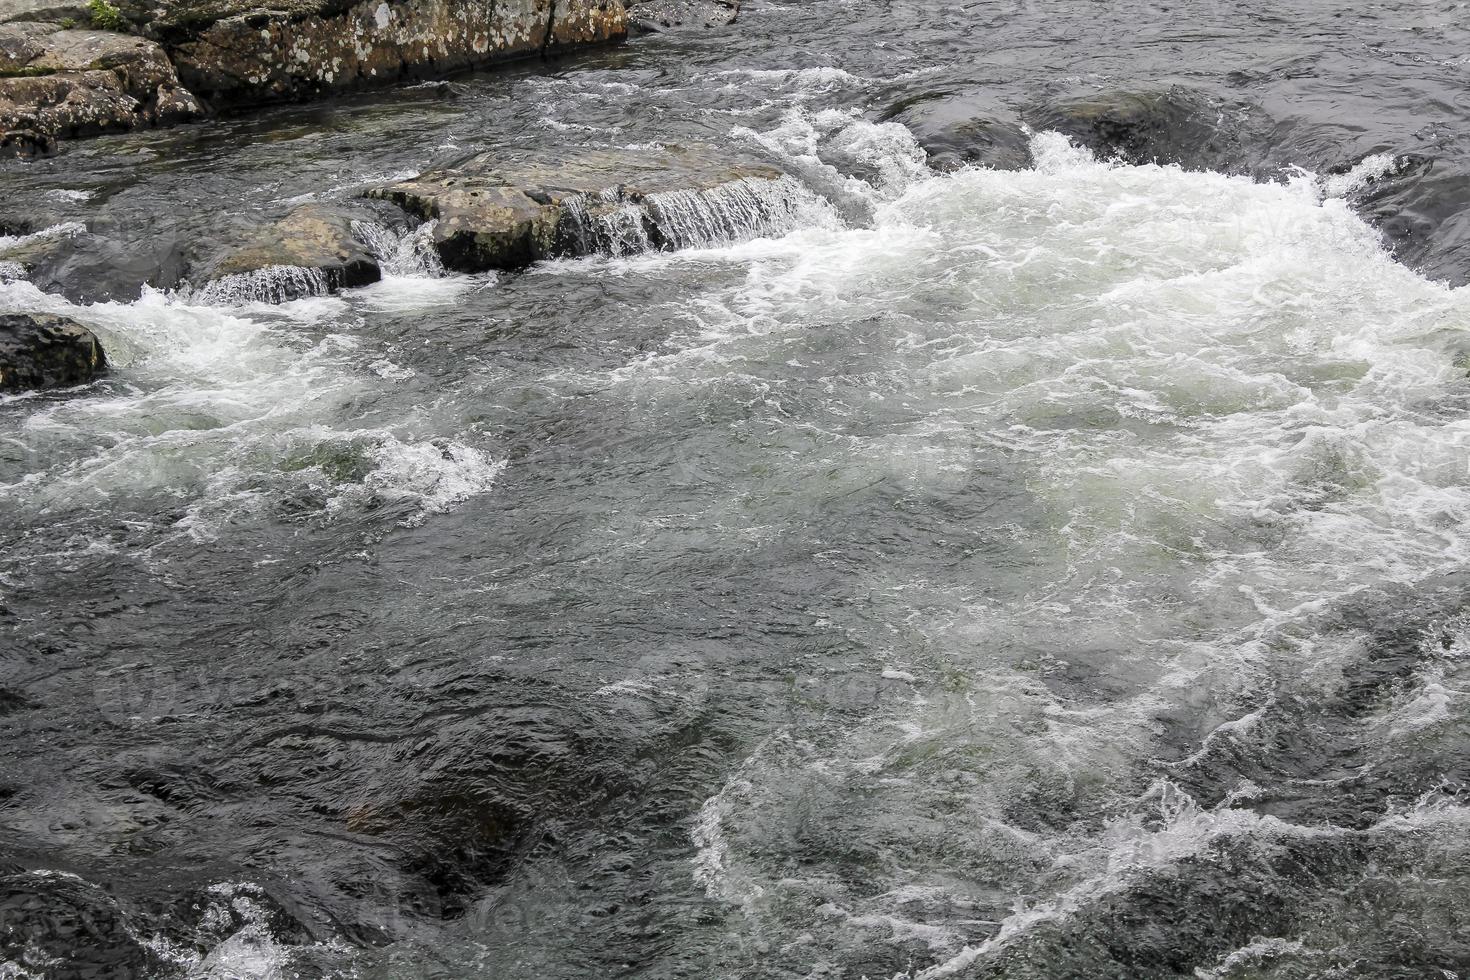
(104,16)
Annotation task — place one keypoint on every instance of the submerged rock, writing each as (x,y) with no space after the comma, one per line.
(496,214)
(90,267)
(1182,126)
(959,129)
(57,925)
(39,350)
(311,251)
(1421,207)
(662,16)
(57,83)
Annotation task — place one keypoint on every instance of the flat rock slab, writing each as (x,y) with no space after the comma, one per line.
(39,350)
(496,213)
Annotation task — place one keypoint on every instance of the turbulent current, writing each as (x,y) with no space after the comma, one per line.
(1048,573)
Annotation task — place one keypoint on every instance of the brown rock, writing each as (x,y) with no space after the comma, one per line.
(311,250)
(497,214)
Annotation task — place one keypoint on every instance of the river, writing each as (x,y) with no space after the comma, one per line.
(1054,573)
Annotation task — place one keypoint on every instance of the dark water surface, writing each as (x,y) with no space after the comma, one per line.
(1056,573)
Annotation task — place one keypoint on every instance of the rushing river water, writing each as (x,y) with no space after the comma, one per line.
(1057,573)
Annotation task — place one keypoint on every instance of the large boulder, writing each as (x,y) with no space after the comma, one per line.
(58,83)
(493,213)
(39,350)
(312,250)
(1192,129)
(963,128)
(88,266)
(237,52)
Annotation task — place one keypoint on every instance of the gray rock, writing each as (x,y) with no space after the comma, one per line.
(86,267)
(664,16)
(185,55)
(491,213)
(42,10)
(959,129)
(1190,128)
(239,53)
(38,350)
(62,83)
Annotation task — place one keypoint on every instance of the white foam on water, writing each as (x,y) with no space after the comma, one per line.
(436,475)
(802,83)
(854,163)
(1221,399)
(1365,172)
(227,409)
(402,253)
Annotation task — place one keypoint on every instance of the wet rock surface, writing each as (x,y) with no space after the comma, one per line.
(89,266)
(312,250)
(1179,125)
(494,214)
(39,350)
(967,128)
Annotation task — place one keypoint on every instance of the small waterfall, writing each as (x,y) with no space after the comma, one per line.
(605,223)
(613,224)
(272,284)
(402,253)
(734,212)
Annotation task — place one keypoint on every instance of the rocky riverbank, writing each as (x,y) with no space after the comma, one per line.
(68,72)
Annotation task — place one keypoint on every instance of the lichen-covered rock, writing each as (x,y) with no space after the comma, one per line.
(38,350)
(261,54)
(43,10)
(494,214)
(964,128)
(187,56)
(662,16)
(312,250)
(58,83)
